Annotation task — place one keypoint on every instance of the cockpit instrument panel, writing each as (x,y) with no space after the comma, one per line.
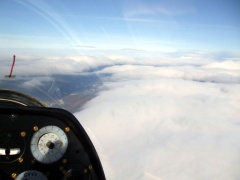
(45,143)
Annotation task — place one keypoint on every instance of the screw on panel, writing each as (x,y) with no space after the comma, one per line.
(64,161)
(85,171)
(14,175)
(90,167)
(23,134)
(67,129)
(13,117)
(20,160)
(35,128)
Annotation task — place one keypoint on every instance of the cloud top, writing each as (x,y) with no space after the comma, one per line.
(172,121)
(174,116)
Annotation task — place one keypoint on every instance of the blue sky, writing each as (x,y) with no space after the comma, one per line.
(137,25)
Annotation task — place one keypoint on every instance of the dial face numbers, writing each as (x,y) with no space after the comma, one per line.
(49,144)
(31,175)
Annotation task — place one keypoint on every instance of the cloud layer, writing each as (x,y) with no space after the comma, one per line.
(175,116)
(167,122)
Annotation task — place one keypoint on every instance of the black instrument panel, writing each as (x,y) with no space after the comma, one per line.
(49,142)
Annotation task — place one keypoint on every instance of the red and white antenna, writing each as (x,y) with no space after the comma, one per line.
(10,75)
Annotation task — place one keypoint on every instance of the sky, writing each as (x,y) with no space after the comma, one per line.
(168,104)
(119,26)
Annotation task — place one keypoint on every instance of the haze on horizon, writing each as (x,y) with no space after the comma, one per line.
(49,27)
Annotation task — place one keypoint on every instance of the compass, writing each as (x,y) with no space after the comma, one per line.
(49,144)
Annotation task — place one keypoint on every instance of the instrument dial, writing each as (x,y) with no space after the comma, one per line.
(11,147)
(49,144)
(31,175)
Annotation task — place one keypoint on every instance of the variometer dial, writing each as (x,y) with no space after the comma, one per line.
(31,175)
(49,144)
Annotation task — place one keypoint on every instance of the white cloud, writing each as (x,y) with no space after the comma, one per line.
(167,122)
(34,66)
(176,116)
(229,65)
